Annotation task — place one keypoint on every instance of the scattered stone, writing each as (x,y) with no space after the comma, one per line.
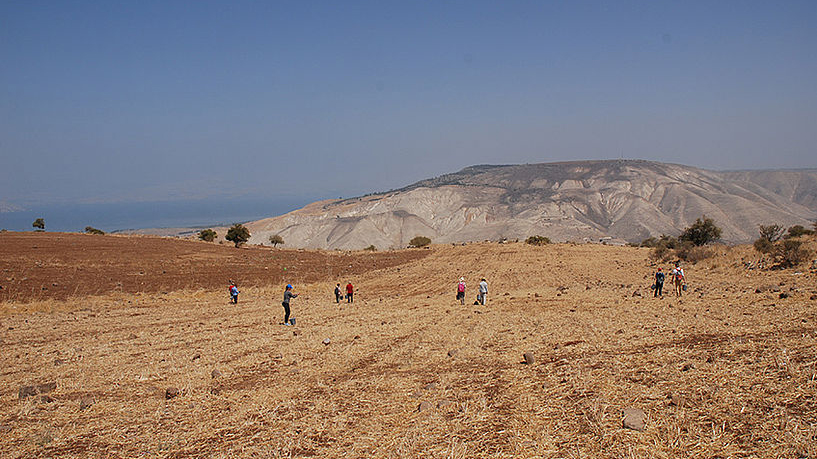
(46,399)
(688,366)
(529,358)
(58,362)
(637,293)
(783,295)
(85,402)
(29,391)
(416,394)
(296,332)
(452,352)
(132,336)
(327,341)
(536,295)
(357,337)
(430,386)
(424,406)
(196,357)
(215,390)
(444,403)
(172,392)
(215,374)
(813,297)
(634,419)
(677,400)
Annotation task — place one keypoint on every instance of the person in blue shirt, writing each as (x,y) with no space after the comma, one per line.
(288,295)
(659,283)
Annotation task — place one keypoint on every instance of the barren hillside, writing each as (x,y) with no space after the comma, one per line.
(571,201)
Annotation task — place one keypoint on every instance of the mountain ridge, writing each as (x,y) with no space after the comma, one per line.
(571,200)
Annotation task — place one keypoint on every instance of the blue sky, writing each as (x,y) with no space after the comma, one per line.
(165,100)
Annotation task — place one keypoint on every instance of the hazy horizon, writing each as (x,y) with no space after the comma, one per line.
(178,102)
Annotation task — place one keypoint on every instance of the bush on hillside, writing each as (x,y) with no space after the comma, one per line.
(238,234)
(207,235)
(702,232)
(371,248)
(790,252)
(537,240)
(763,245)
(276,239)
(419,241)
(92,230)
(39,224)
(797,231)
(770,233)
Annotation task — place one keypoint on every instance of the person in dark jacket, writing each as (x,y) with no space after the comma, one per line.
(659,283)
(288,296)
(338,294)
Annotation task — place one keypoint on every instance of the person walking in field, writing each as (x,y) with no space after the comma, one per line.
(461,290)
(337,293)
(659,284)
(678,278)
(233,292)
(350,293)
(288,296)
(483,291)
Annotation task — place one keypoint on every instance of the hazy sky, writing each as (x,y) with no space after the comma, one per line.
(146,100)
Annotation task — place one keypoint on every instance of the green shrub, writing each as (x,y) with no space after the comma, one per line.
(238,234)
(419,241)
(791,252)
(763,245)
(537,240)
(702,232)
(371,248)
(39,224)
(207,235)
(92,230)
(797,231)
(275,240)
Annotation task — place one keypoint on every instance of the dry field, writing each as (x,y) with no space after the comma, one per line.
(729,370)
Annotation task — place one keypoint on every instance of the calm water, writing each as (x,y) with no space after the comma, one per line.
(113,217)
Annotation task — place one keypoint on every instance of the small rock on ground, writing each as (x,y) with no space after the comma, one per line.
(172,392)
(635,419)
(529,358)
(86,402)
(215,374)
(425,406)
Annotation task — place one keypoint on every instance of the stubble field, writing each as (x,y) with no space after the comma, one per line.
(728,370)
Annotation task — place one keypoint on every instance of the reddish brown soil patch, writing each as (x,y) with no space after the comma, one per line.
(39,266)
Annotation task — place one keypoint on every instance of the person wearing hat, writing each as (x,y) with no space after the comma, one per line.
(659,284)
(233,292)
(461,290)
(288,295)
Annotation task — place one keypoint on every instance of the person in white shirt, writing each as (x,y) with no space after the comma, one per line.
(483,291)
(678,279)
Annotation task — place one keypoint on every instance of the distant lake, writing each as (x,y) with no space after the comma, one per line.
(124,216)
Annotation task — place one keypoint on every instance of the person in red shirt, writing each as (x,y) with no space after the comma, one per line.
(350,293)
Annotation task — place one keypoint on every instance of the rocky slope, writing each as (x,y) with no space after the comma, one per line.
(583,200)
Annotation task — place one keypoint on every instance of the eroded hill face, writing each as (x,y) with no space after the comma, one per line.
(570,201)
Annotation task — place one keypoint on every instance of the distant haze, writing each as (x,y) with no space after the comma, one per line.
(115,102)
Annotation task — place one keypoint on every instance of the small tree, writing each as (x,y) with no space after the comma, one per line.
(797,231)
(537,240)
(763,245)
(771,233)
(275,240)
(238,234)
(702,232)
(39,224)
(371,248)
(419,241)
(207,235)
(92,230)
(791,252)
